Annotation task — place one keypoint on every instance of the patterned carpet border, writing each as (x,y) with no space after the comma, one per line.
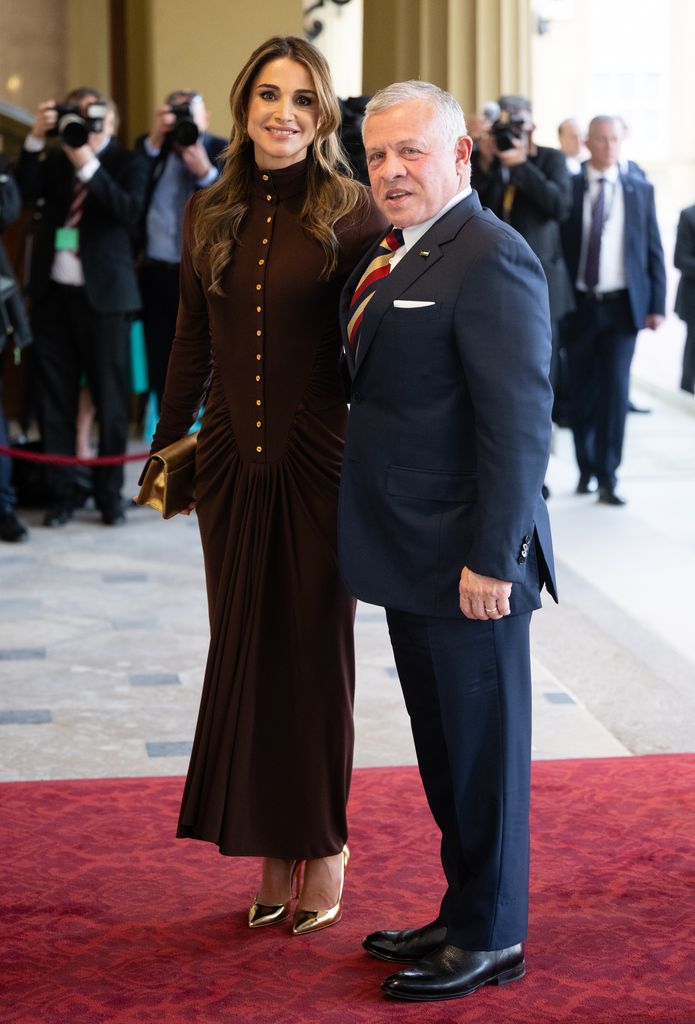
(107,918)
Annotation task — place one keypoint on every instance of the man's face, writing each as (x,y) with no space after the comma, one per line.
(603,142)
(412,170)
(571,139)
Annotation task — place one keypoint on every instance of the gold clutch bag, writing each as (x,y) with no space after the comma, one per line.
(166,482)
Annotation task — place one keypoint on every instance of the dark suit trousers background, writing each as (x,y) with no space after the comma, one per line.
(688,370)
(467,688)
(70,339)
(160,299)
(600,342)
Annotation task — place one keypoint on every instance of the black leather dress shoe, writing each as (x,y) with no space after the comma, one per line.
(586,484)
(58,516)
(11,530)
(407,946)
(113,515)
(451,972)
(607,496)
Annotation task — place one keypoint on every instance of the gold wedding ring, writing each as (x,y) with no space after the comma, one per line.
(490,610)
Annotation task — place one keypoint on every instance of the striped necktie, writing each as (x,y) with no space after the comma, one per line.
(79,194)
(379,267)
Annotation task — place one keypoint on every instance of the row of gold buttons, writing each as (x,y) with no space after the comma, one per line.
(259,330)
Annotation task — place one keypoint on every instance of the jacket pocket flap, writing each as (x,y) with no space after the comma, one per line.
(430,485)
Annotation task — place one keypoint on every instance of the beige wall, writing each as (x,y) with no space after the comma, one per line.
(475,48)
(203,46)
(33,61)
(88,58)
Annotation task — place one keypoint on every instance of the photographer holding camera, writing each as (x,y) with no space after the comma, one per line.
(88,193)
(528,186)
(182,158)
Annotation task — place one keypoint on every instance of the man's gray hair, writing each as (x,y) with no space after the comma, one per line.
(446,108)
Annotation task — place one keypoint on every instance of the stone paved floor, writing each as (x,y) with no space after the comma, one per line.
(103,632)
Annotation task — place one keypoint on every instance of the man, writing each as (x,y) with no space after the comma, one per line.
(88,193)
(528,186)
(182,158)
(571,140)
(684,260)
(442,519)
(614,255)
(12,530)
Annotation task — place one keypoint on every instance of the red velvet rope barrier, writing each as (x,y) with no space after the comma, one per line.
(73,460)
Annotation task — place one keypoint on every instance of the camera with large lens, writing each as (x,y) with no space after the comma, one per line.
(185,130)
(74,127)
(506,131)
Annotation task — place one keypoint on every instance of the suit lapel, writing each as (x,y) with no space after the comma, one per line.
(426,252)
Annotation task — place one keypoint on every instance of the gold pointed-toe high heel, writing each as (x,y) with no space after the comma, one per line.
(306,921)
(262,914)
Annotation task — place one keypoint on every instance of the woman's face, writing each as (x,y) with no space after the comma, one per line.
(283,113)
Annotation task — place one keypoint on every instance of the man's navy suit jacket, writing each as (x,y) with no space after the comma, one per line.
(645,273)
(449,429)
(112,211)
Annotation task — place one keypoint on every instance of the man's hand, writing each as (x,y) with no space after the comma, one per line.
(80,156)
(196,159)
(162,123)
(653,321)
(483,597)
(515,156)
(46,119)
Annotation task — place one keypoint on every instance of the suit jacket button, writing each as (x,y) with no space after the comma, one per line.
(521,559)
(356,397)
(527,538)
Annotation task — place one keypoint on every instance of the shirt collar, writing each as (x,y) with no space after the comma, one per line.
(611,174)
(415,232)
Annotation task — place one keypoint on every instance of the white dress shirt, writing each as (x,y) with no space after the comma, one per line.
(611,268)
(67,266)
(415,232)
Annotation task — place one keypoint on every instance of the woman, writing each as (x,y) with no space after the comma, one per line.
(266,250)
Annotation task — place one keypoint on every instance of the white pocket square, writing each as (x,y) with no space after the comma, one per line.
(410,304)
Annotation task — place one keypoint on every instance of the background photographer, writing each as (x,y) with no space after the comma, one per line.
(88,193)
(14,333)
(182,158)
(529,187)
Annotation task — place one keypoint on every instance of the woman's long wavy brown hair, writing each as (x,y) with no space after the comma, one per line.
(331,193)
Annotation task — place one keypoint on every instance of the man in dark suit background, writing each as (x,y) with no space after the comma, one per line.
(684,260)
(182,158)
(615,259)
(442,520)
(528,186)
(88,200)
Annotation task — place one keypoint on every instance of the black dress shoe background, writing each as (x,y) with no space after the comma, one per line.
(112,515)
(59,515)
(450,973)
(11,530)
(407,946)
(586,484)
(607,496)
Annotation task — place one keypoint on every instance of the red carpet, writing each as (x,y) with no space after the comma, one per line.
(107,918)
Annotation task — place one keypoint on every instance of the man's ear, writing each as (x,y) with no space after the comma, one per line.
(464,148)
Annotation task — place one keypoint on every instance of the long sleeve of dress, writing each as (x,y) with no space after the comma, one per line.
(190,362)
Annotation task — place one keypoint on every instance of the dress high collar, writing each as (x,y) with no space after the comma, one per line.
(282,182)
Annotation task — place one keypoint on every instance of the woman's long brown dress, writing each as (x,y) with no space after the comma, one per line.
(272,756)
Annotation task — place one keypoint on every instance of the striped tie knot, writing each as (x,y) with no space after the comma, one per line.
(377,269)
